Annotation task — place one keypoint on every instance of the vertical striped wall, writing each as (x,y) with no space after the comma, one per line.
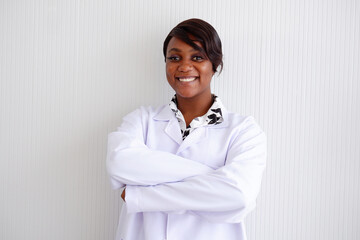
(71,69)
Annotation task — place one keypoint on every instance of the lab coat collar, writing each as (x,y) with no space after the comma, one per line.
(166,114)
(172,129)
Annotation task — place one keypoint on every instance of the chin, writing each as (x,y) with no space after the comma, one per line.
(186,95)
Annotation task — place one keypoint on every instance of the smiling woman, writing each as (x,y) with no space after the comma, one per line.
(190,169)
(192,53)
(189,73)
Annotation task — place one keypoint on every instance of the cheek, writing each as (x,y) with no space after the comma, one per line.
(206,69)
(168,74)
(170,69)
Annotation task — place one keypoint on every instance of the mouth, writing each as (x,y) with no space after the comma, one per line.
(186,79)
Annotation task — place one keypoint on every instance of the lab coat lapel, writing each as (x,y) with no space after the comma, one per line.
(172,129)
(198,135)
(202,133)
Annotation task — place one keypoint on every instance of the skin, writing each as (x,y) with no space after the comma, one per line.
(123,194)
(194,98)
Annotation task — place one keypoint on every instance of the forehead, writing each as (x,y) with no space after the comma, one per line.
(177,45)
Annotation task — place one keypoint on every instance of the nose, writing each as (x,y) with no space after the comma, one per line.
(185,66)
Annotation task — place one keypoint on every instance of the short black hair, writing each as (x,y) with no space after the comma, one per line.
(204,33)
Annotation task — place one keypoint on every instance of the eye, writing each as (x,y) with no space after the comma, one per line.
(174,58)
(198,58)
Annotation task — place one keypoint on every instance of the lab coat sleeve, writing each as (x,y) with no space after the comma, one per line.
(130,162)
(226,194)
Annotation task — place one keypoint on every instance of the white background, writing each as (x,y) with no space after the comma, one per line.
(71,69)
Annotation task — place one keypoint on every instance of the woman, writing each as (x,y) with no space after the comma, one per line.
(191,169)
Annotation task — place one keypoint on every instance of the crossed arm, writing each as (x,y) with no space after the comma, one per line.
(161,181)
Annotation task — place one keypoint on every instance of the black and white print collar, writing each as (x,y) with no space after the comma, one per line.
(212,117)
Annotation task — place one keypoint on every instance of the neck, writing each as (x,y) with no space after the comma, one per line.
(194,107)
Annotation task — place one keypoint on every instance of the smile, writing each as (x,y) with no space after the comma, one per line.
(186,79)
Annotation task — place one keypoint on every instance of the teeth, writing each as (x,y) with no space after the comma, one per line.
(187,79)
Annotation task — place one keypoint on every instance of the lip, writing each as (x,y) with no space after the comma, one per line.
(186,78)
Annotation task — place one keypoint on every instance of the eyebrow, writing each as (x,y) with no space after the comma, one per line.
(178,50)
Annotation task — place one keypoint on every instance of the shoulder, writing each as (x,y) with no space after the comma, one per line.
(148,112)
(238,121)
(242,128)
(235,122)
(139,119)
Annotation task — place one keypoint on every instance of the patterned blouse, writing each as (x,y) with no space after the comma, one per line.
(213,116)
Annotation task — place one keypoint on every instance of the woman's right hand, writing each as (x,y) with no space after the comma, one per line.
(123,194)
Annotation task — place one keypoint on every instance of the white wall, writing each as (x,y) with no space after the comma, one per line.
(70,70)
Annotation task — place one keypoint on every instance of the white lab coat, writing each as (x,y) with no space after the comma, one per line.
(200,188)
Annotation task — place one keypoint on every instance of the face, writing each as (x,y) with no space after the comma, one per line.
(188,71)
